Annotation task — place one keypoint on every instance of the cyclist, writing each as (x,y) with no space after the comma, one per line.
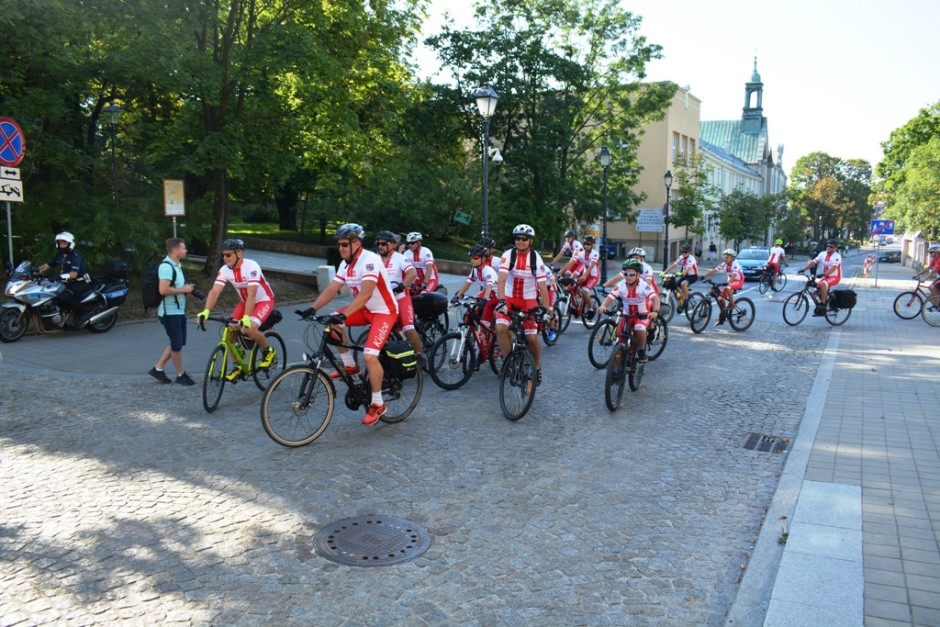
(521,285)
(256,298)
(637,298)
(489,258)
(584,267)
(401,274)
(932,268)
(735,280)
(422,259)
(373,303)
(777,256)
(571,246)
(830,262)
(689,272)
(480,272)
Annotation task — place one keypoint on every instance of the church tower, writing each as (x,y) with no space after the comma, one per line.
(753,108)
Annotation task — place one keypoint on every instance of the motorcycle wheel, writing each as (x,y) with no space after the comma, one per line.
(13,325)
(102,325)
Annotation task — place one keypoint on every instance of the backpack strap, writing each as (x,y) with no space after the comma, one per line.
(176,297)
(512,260)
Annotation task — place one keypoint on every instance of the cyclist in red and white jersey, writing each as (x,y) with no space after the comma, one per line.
(373,304)
(735,279)
(646,274)
(423,260)
(584,266)
(571,246)
(401,274)
(256,299)
(932,268)
(687,262)
(829,273)
(638,299)
(777,256)
(482,273)
(521,286)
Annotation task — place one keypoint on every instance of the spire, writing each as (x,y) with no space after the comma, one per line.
(752,117)
(755,77)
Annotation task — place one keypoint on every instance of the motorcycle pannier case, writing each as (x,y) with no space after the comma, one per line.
(429,303)
(116,294)
(115,270)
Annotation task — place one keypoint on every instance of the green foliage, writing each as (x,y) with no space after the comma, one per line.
(832,195)
(743,217)
(692,193)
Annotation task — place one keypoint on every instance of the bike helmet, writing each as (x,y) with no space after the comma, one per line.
(637,252)
(232,244)
(779,242)
(350,231)
(488,242)
(479,250)
(934,248)
(832,242)
(569,233)
(589,239)
(65,236)
(730,251)
(524,229)
(686,248)
(414,236)
(632,264)
(387,236)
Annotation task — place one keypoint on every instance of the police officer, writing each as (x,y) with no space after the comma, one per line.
(78,282)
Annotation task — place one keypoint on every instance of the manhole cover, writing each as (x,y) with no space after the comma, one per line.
(371,541)
(766,443)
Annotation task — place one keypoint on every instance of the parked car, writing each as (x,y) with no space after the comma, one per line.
(752,261)
(890,256)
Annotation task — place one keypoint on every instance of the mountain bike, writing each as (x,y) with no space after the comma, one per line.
(604,339)
(930,312)
(237,353)
(299,403)
(771,281)
(455,356)
(671,299)
(571,303)
(518,377)
(799,304)
(624,364)
(740,316)
(908,305)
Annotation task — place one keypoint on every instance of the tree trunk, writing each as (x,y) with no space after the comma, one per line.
(286,201)
(219,219)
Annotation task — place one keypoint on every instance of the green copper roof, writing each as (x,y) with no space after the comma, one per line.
(727,135)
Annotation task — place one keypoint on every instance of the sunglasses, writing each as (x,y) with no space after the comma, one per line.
(475,257)
(343,244)
(522,238)
(630,274)
(227,255)
(381,243)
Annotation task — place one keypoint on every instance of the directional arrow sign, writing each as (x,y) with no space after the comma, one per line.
(12,174)
(882,227)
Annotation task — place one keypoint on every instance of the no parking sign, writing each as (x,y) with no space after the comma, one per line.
(12,143)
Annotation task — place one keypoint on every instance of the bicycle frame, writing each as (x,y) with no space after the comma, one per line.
(232,340)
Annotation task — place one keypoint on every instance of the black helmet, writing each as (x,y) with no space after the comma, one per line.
(232,244)
(832,242)
(686,248)
(350,231)
(569,233)
(489,242)
(386,235)
(632,264)
(589,239)
(478,250)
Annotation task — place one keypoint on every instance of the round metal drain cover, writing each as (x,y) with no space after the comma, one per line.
(371,541)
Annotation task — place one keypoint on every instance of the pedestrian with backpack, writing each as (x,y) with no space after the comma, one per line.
(171,311)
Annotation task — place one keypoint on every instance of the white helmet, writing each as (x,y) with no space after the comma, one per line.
(934,248)
(414,236)
(524,229)
(638,251)
(730,251)
(65,236)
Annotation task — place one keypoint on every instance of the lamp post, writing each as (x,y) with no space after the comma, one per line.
(667,180)
(604,157)
(114,112)
(486,98)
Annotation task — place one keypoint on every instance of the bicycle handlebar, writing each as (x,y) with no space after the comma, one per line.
(202,321)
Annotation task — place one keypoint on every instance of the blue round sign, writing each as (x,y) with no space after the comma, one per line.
(12,143)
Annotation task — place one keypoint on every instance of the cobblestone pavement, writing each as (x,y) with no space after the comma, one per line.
(125,502)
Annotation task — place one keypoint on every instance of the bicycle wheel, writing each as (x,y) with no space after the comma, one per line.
(837,317)
(264,376)
(594,303)
(564,308)
(780,283)
(701,316)
(907,305)
(616,377)
(931,311)
(742,316)
(496,356)
(401,396)
(214,380)
(764,286)
(297,406)
(656,338)
(449,364)
(795,308)
(694,299)
(517,383)
(601,344)
(634,370)
(667,306)
(429,330)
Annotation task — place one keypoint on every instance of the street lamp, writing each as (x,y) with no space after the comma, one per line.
(667,180)
(604,157)
(486,98)
(114,112)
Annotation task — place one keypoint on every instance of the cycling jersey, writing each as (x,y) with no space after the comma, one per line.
(397,266)
(242,276)
(423,260)
(586,258)
(522,282)
(688,265)
(635,300)
(735,274)
(574,247)
(486,276)
(776,256)
(368,266)
(827,261)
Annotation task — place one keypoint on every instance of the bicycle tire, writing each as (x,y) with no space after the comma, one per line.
(517,383)
(795,308)
(496,356)
(264,376)
(602,342)
(930,312)
(429,330)
(634,371)
(837,317)
(616,377)
(656,338)
(667,306)
(780,283)
(908,305)
(298,406)
(595,304)
(764,286)
(546,327)
(564,306)
(448,370)
(694,299)
(214,381)
(401,396)
(701,316)
(742,316)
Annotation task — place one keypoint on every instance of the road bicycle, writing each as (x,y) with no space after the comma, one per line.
(908,305)
(455,356)
(799,304)
(624,364)
(571,303)
(237,353)
(771,281)
(930,312)
(671,299)
(519,377)
(604,339)
(740,317)
(299,403)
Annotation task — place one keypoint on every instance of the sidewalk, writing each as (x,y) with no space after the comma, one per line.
(858,503)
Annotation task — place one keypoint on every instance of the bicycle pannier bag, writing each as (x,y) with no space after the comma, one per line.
(429,303)
(843,299)
(398,359)
(669,282)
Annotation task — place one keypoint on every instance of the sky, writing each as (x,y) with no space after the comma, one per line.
(839,75)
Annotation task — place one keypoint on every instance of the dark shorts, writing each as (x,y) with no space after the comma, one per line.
(689,279)
(175,327)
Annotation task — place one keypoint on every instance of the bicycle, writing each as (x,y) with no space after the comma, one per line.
(797,305)
(604,339)
(300,402)
(740,317)
(624,364)
(455,356)
(908,305)
(244,355)
(571,303)
(671,299)
(930,312)
(768,281)
(518,377)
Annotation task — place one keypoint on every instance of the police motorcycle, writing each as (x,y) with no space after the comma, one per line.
(34,301)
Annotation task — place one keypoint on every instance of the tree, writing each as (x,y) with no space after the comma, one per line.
(743,216)
(832,195)
(693,195)
(917,199)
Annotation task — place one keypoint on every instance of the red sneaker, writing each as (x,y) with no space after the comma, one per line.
(375,412)
(351,370)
